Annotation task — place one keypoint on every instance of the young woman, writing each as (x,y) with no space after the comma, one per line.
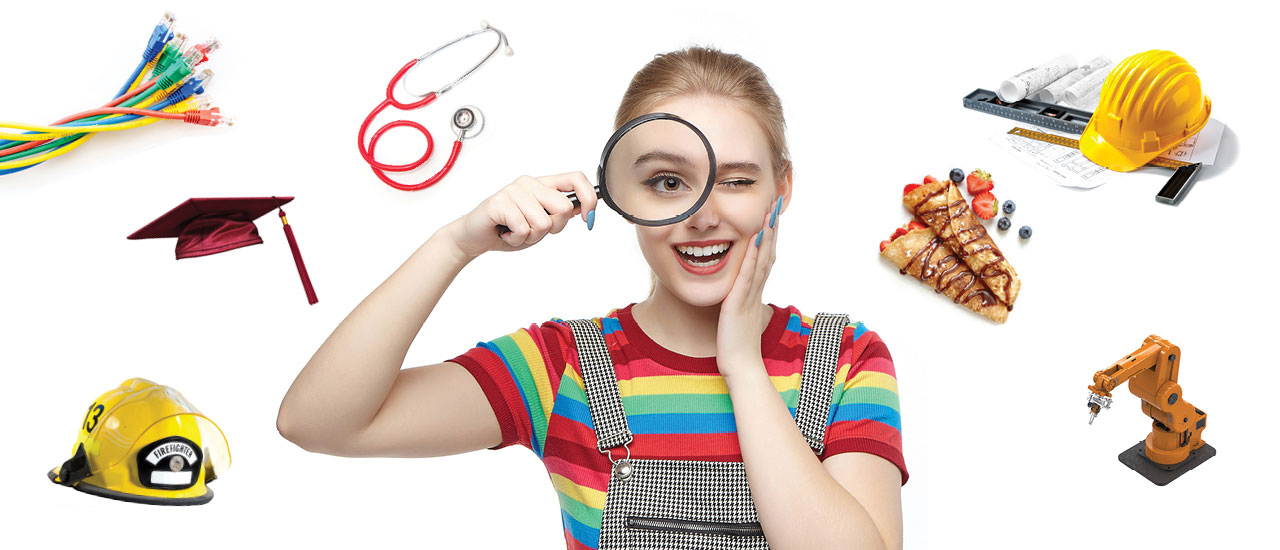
(705,370)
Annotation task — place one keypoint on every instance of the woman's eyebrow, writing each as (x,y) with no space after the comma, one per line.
(737,166)
(740,166)
(662,155)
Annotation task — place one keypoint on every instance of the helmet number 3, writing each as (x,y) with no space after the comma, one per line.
(91,417)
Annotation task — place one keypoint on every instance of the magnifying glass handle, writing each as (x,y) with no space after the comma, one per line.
(572,196)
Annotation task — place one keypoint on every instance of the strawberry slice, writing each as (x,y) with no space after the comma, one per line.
(909,188)
(929,179)
(906,227)
(979,181)
(984,205)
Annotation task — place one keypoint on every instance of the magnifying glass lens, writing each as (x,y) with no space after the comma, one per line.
(657,170)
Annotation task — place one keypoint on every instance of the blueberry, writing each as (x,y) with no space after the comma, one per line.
(1025,232)
(1004,224)
(1009,207)
(957,175)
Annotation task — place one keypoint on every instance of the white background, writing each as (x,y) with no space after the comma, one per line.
(994,415)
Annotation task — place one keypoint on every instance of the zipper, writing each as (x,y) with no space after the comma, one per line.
(749,529)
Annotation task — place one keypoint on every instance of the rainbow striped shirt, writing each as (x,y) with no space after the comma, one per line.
(678,407)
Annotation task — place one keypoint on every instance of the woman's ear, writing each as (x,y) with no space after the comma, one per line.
(784,186)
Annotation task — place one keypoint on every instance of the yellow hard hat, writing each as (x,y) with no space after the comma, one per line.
(143,442)
(1149,103)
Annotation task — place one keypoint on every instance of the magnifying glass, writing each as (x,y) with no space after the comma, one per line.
(657,169)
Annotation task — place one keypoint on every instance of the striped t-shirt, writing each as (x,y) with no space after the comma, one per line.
(677,407)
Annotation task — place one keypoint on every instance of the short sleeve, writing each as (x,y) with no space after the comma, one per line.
(520,375)
(864,414)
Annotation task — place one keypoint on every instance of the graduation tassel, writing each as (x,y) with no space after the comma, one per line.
(297,259)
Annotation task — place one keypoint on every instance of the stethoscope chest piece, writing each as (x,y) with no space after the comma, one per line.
(467,122)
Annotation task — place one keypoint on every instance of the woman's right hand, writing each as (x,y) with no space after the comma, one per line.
(530,207)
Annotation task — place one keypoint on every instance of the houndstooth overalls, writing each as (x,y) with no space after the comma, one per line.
(678,504)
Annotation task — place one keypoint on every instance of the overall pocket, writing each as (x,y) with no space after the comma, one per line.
(681,504)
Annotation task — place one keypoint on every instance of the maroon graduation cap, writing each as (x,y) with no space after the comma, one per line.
(210,226)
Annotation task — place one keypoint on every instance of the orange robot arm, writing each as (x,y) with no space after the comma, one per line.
(1152,373)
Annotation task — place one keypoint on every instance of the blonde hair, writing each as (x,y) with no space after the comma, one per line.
(707,71)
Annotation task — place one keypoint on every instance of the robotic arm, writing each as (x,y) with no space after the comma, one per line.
(1152,374)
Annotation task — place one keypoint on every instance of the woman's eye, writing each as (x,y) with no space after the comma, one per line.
(740,182)
(665,183)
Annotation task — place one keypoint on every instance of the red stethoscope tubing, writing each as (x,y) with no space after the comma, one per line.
(380,169)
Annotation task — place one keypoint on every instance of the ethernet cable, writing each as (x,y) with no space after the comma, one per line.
(161,87)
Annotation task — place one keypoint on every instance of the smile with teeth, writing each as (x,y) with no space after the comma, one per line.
(703,256)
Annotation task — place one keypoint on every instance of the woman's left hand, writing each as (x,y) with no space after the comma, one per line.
(740,326)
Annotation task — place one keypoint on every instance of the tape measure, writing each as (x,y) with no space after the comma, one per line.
(1075,144)
(1037,113)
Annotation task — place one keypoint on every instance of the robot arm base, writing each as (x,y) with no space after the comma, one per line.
(1135,458)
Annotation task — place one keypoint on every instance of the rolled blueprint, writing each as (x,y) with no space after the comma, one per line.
(1032,80)
(1053,92)
(1084,93)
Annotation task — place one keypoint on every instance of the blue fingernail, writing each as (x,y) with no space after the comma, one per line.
(773,218)
(591,219)
(778,209)
(759,238)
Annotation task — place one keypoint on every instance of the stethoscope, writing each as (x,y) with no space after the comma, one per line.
(467,121)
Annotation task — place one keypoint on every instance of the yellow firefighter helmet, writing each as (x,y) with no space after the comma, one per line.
(143,442)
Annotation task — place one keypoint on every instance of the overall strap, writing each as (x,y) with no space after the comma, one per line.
(607,416)
(818,377)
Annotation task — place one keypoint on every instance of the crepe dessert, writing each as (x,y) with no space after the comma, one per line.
(919,252)
(943,209)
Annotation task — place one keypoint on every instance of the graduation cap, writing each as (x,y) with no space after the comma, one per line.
(210,226)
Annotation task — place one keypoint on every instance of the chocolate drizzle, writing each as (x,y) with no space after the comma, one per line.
(963,279)
(945,217)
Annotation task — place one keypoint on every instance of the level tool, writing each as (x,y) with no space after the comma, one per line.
(1038,113)
(1172,191)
